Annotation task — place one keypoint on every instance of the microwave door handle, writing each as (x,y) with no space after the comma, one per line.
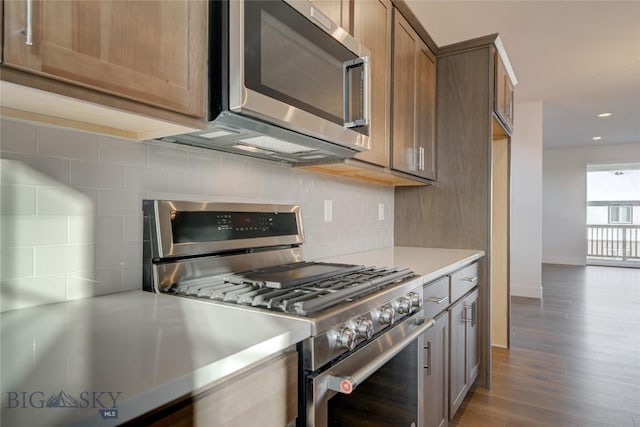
(347,67)
(346,384)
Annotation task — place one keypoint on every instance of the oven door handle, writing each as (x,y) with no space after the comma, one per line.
(346,384)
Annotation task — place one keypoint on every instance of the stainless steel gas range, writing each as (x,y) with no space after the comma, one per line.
(364,357)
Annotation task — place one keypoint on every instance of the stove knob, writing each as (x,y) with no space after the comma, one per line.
(404,305)
(346,339)
(364,328)
(387,315)
(416,299)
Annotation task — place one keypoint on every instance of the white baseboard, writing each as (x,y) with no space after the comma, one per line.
(526,291)
(605,263)
(563,260)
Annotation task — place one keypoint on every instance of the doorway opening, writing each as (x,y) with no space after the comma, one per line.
(613,214)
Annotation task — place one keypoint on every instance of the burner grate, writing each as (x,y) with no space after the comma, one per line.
(304,299)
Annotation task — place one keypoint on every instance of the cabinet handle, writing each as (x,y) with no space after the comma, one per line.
(467,316)
(470,279)
(28,28)
(438,300)
(421,158)
(428,367)
(347,68)
(346,384)
(474,313)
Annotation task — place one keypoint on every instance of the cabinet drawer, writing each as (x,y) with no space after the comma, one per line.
(436,297)
(463,281)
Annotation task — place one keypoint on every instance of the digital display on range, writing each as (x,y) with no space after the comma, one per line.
(203,226)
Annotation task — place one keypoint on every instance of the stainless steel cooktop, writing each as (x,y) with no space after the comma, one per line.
(249,255)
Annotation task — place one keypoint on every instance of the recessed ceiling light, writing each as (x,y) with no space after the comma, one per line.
(597,138)
(605,114)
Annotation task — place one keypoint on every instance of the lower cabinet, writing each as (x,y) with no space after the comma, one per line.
(266,395)
(436,373)
(464,354)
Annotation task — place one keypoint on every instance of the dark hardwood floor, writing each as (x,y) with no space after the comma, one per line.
(574,357)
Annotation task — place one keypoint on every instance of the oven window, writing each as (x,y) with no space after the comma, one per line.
(203,226)
(388,398)
(290,59)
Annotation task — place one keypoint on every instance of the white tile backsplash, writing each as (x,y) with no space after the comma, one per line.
(57,142)
(95,174)
(33,230)
(62,259)
(65,201)
(17,137)
(17,262)
(31,291)
(122,151)
(145,179)
(71,207)
(17,200)
(25,169)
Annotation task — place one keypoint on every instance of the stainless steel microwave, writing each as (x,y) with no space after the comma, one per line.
(285,83)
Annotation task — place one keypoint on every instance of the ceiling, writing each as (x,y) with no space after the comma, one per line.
(580,58)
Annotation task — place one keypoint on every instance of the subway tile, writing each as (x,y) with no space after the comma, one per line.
(132,277)
(16,262)
(95,174)
(132,226)
(67,143)
(203,162)
(17,200)
(17,137)
(16,168)
(118,254)
(57,259)
(165,158)
(81,229)
(185,182)
(32,291)
(108,228)
(144,179)
(120,202)
(122,151)
(33,231)
(93,283)
(66,201)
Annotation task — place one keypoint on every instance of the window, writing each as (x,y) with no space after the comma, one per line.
(620,214)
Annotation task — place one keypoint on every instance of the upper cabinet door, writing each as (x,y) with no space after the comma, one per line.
(425,138)
(414,86)
(339,11)
(503,94)
(153,52)
(372,20)
(405,42)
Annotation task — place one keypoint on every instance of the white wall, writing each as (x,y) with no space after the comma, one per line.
(71,207)
(565,194)
(526,201)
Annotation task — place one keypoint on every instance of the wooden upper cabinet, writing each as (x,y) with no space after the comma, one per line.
(339,11)
(372,27)
(503,94)
(152,52)
(414,82)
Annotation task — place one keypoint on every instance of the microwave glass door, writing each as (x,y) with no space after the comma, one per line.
(289,58)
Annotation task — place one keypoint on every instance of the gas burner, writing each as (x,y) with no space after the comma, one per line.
(297,295)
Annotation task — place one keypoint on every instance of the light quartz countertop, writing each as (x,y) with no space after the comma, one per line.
(432,263)
(150,348)
(143,350)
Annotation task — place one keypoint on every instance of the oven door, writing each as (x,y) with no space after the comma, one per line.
(379,384)
(292,66)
